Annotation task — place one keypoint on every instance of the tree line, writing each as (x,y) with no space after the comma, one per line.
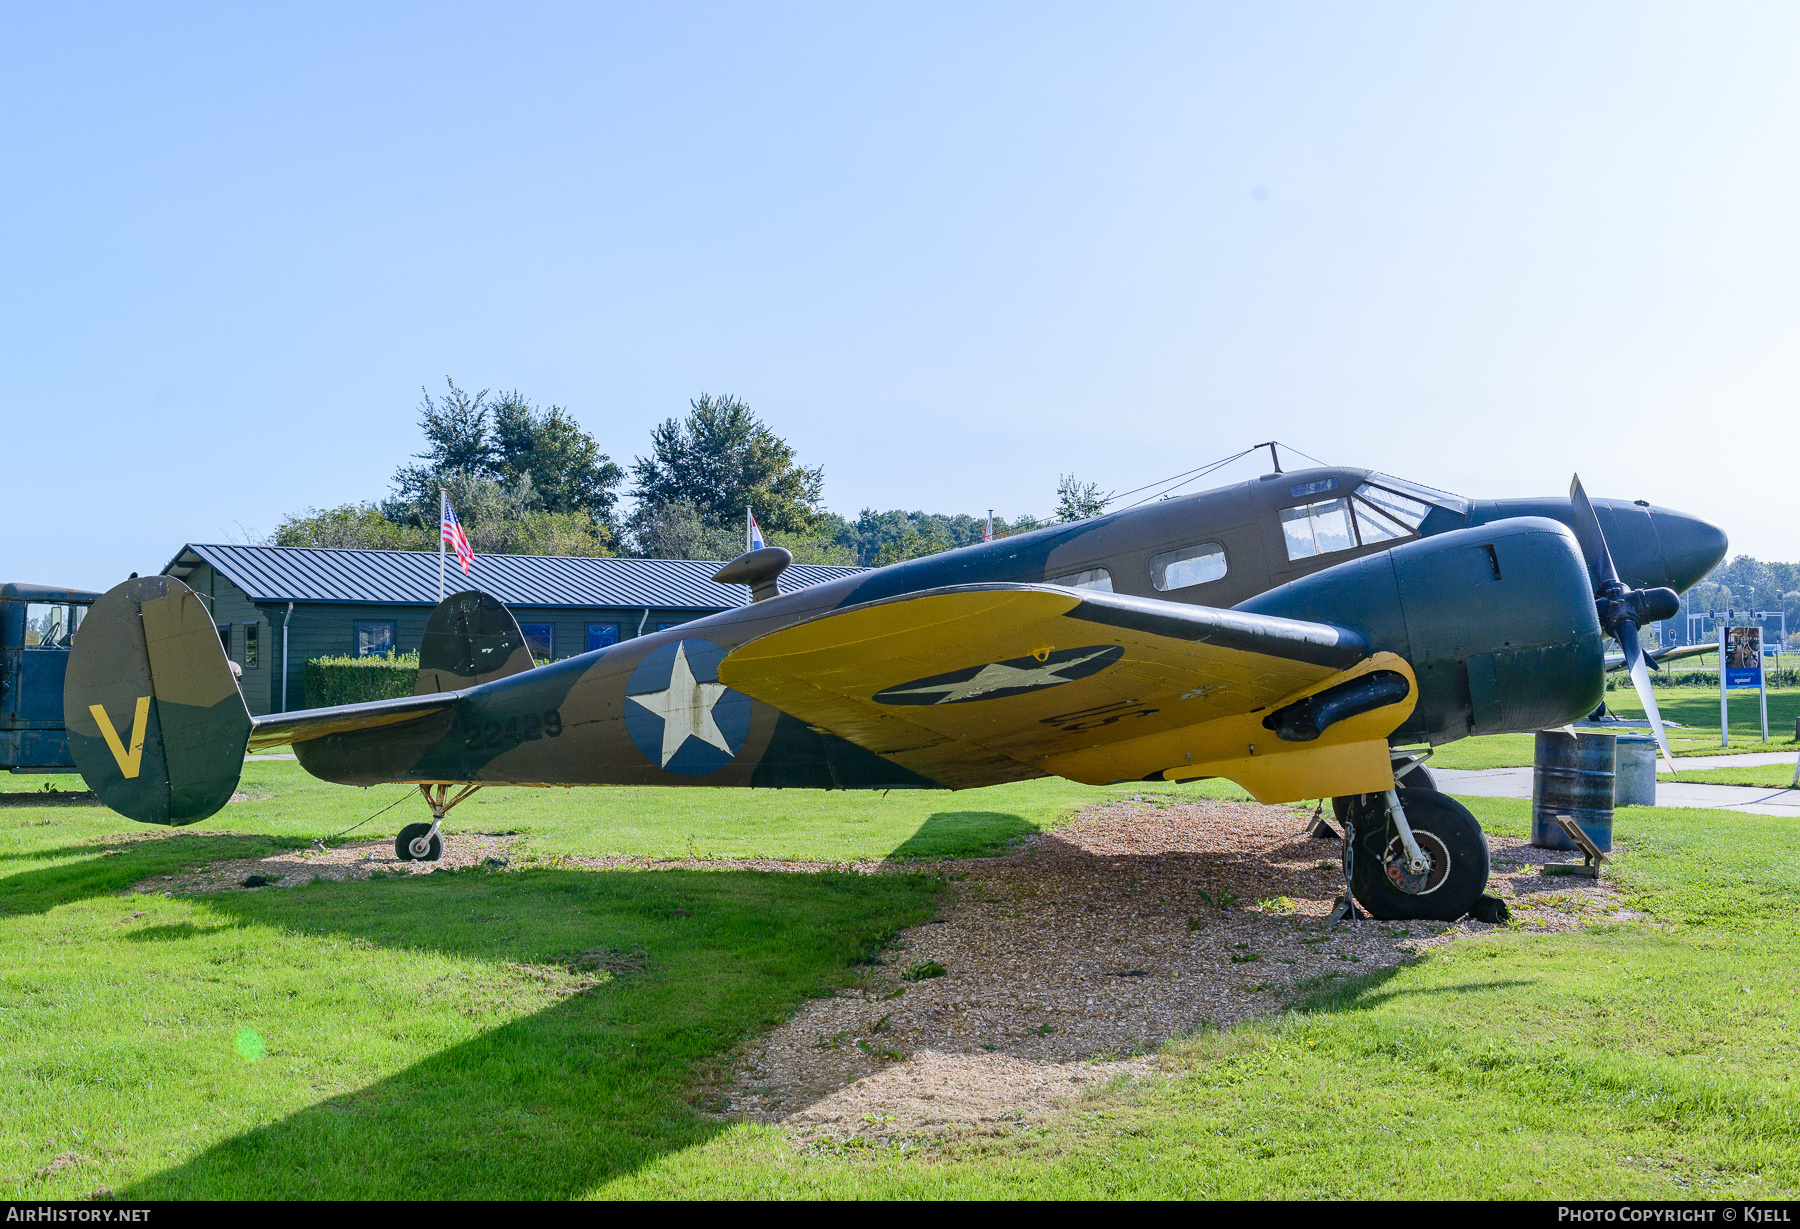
(528,480)
(1744,584)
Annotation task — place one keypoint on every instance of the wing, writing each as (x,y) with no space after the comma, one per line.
(976,684)
(1616,661)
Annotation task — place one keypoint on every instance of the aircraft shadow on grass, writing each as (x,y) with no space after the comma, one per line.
(103,869)
(551,1104)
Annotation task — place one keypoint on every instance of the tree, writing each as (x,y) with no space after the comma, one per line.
(1076,501)
(929,537)
(456,441)
(717,461)
(566,467)
(506,439)
(678,530)
(351,527)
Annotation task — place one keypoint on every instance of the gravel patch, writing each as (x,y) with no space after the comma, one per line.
(344,863)
(1066,964)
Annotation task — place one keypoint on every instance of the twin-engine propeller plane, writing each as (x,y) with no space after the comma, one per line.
(1291,634)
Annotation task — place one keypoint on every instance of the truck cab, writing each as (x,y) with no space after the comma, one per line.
(38,624)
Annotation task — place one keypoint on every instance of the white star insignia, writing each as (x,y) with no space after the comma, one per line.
(997,676)
(686,708)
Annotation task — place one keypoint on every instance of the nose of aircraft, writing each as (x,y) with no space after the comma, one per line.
(1690,546)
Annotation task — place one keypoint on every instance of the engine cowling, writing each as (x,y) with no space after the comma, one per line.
(1498,623)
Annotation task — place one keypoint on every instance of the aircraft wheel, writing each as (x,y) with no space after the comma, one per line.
(417,843)
(1456,855)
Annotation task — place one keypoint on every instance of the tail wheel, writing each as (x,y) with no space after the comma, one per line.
(418,843)
(1456,859)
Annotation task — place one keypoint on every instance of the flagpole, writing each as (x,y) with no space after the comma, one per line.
(748,517)
(442,502)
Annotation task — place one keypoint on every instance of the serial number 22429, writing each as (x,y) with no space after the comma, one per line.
(493,735)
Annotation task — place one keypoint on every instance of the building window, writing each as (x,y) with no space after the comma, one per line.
(663,627)
(600,635)
(374,639)
(540,638)
(1093,578)
(1189,565)
(225,638)
(250,646)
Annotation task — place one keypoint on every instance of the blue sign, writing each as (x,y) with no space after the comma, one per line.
(1743,657)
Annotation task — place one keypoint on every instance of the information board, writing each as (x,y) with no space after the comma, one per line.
(1743,657)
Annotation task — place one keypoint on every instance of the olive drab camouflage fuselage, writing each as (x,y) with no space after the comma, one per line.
(1281,632)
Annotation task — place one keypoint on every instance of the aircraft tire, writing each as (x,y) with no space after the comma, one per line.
(412,832)
(1449,836)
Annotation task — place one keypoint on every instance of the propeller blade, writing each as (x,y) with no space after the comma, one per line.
(1640,679)
(1593,541)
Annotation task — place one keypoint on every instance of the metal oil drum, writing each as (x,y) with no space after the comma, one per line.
(1572,775)
(1634,768)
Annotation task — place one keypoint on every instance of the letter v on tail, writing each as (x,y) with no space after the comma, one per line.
(129,762)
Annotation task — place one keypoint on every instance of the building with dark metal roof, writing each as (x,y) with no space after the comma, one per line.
(278,606)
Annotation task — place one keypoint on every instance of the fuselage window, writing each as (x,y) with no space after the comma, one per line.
(1093,578)
(1191,565)
(1317,529)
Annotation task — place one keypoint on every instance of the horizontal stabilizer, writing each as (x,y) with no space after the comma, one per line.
(284,729)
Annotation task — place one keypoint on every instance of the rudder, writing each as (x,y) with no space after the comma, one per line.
(157,726)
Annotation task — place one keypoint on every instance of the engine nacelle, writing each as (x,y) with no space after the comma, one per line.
(1498,623)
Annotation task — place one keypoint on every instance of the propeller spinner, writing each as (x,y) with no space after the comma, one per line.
(1623,611)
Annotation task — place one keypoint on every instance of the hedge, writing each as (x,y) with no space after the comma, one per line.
(352,680)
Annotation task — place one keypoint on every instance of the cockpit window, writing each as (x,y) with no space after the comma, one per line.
(1384,515)
(1093,578)
(51,625)
(1426,494)
(1317,529)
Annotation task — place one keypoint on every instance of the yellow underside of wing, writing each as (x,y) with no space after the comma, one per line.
(1165,708)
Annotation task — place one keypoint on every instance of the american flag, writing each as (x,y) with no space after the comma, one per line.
(454,535)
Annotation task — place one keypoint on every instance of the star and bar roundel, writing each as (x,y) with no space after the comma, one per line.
(999,679)
(680,715)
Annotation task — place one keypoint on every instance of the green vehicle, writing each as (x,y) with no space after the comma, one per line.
(37,629)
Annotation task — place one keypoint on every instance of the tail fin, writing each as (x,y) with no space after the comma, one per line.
(470,638)
(156,723)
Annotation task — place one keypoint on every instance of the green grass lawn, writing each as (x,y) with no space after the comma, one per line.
(490,1034)
(1764,776)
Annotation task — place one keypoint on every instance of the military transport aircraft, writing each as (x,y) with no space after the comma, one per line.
(1293,634)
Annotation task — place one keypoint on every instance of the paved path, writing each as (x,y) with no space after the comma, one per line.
(1685,762)
(1516,783)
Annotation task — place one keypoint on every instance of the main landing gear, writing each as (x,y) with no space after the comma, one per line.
(1413,853)
(423,842)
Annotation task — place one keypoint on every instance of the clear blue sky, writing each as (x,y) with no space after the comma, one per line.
(948,250)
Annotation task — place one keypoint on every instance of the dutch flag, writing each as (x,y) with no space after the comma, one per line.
(753,539)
